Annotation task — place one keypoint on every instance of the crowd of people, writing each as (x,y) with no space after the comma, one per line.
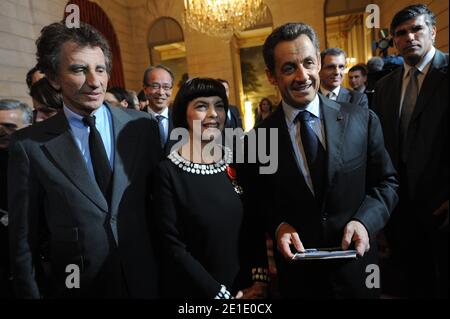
(99,178)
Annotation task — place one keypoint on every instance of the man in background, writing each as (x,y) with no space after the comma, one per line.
(14,115)
(412,103)
(357,77)
(33,76)
(234,119)
(331,77)
(158,85)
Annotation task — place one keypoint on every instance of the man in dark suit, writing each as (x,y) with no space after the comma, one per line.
(158,85)
(412,103)
(80,182)
(14,115)
(332,75)
(357,76)
(334,185)
(234,119)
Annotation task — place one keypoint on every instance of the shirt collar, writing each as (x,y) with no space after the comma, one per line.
(76,119)
(423,64)
(362,89)
(325,91)
(292,112)
(164,113)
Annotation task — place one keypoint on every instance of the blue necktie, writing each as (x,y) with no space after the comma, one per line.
(315,154)
(162,131)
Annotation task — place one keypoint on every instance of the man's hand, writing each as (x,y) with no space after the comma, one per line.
(441,214)
(287,235)
(356,232)
(257,291)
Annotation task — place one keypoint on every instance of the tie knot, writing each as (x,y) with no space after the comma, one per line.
(304,117)
(89,121)
(159,118)
(414,72)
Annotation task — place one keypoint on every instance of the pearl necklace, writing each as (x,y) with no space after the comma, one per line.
(203,169)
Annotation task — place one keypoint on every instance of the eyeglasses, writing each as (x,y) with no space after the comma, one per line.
(157,86)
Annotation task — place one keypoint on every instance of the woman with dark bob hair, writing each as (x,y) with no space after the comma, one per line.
(204,231)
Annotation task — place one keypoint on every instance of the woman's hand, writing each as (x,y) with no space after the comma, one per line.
(257,291)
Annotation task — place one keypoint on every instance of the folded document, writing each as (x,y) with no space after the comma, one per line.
(320,254)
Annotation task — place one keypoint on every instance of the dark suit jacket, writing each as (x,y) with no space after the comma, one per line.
(235,120)
(51,192)
(5,286)
(353,97)
(169,143)
(424,176)
(361,185)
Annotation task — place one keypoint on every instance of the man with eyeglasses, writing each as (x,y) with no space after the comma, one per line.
(158,84)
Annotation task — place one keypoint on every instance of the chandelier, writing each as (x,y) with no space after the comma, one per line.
(222,18)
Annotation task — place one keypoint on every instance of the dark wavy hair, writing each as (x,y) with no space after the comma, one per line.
(141,96)
(53,37)
(121,94)
(286,32)
(359,67)
(29,77)
(46,95)
(192,89)
(412,12)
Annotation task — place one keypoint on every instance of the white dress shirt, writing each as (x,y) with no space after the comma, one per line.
(334,93)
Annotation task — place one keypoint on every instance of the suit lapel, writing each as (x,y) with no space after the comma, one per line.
(68,159)
(343,96)
(125,143)
(285,147)
(335,122)
(170,121)
(392,107)
(431,82)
